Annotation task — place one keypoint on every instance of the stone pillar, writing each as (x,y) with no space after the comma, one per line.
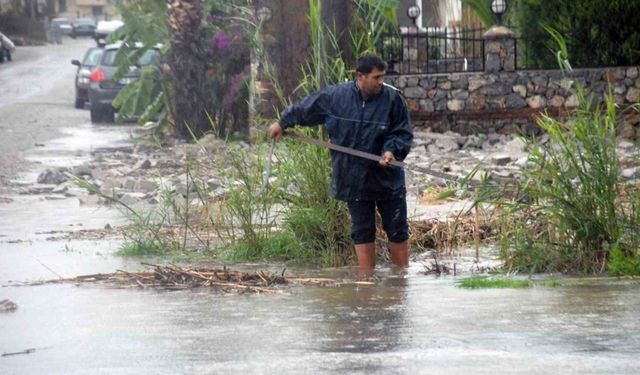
(499,50)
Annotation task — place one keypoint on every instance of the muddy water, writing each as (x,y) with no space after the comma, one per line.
(402,325)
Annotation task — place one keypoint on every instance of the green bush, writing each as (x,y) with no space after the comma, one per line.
(622,264)
(598,32)
(573,208)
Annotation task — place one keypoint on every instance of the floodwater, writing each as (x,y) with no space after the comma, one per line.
(410,324)
(400,324)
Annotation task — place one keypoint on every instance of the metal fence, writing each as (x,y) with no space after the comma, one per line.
(434,51)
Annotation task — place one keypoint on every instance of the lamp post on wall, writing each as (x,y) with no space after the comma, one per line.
(264,14)
(498,7)
(413,12)
(499,43)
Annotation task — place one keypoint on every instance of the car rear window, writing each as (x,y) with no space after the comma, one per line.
(148,58)
(92,57)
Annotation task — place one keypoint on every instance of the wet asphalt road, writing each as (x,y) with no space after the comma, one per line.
(36,100)
(404,324)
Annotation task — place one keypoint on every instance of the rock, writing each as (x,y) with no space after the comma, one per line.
(142,164)
(214,183)
(632,72)
(447,145)
(515,101)
(130,199)
(436,95)
(459,139)
(428,83)
(536,102)
(626,146)
(521,90)
(39,190)
(145,186)
(572,101)
(415,92)
(473,141)
(433,149)
(129,184)
(625,130)
(629,173)
(181,189)
(500,159)
(496,89)
(412,81)
(53,176)
(426,105)
(619,89)
(445,85)
(83,170)
(523,162)
(476,83)
(219,192)
(540,83)
(566,84)
(557,101)
(89,200)
(60,188)
(412,104)
(143,148)
(460,94)
(109,185)
(455,105)
(632,95)
(7,305)
(500,175)
(515,146)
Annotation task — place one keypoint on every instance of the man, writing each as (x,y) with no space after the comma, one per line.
(367,115)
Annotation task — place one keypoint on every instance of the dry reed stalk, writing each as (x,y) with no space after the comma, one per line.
(173,277)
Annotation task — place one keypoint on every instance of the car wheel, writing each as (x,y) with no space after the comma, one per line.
(79,103)
(96,114)
(108,114)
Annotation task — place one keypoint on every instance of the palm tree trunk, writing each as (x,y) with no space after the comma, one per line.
(186,59)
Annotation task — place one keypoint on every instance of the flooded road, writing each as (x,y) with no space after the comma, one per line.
(401,324)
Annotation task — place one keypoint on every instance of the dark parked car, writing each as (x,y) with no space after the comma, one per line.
(90,60)
(103,88)
(83,28)
(57,28)
(6,48)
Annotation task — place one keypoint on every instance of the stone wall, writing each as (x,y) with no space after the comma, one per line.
(505,102)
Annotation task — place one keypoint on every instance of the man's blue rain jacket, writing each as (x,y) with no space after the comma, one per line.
(380,123)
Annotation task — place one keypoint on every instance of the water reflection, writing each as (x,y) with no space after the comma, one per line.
(361,318)
(595,318)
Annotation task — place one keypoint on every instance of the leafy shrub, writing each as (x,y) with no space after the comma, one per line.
(598,32)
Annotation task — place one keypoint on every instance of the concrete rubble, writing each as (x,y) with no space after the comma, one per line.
(144,174)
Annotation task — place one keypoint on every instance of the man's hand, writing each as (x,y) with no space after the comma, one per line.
(387,158)
(275,131)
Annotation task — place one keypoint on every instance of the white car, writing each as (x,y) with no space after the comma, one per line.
(104,28)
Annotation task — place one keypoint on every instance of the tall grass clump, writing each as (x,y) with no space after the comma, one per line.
(574,214)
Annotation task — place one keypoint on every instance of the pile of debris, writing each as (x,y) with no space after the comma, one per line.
(172,277)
